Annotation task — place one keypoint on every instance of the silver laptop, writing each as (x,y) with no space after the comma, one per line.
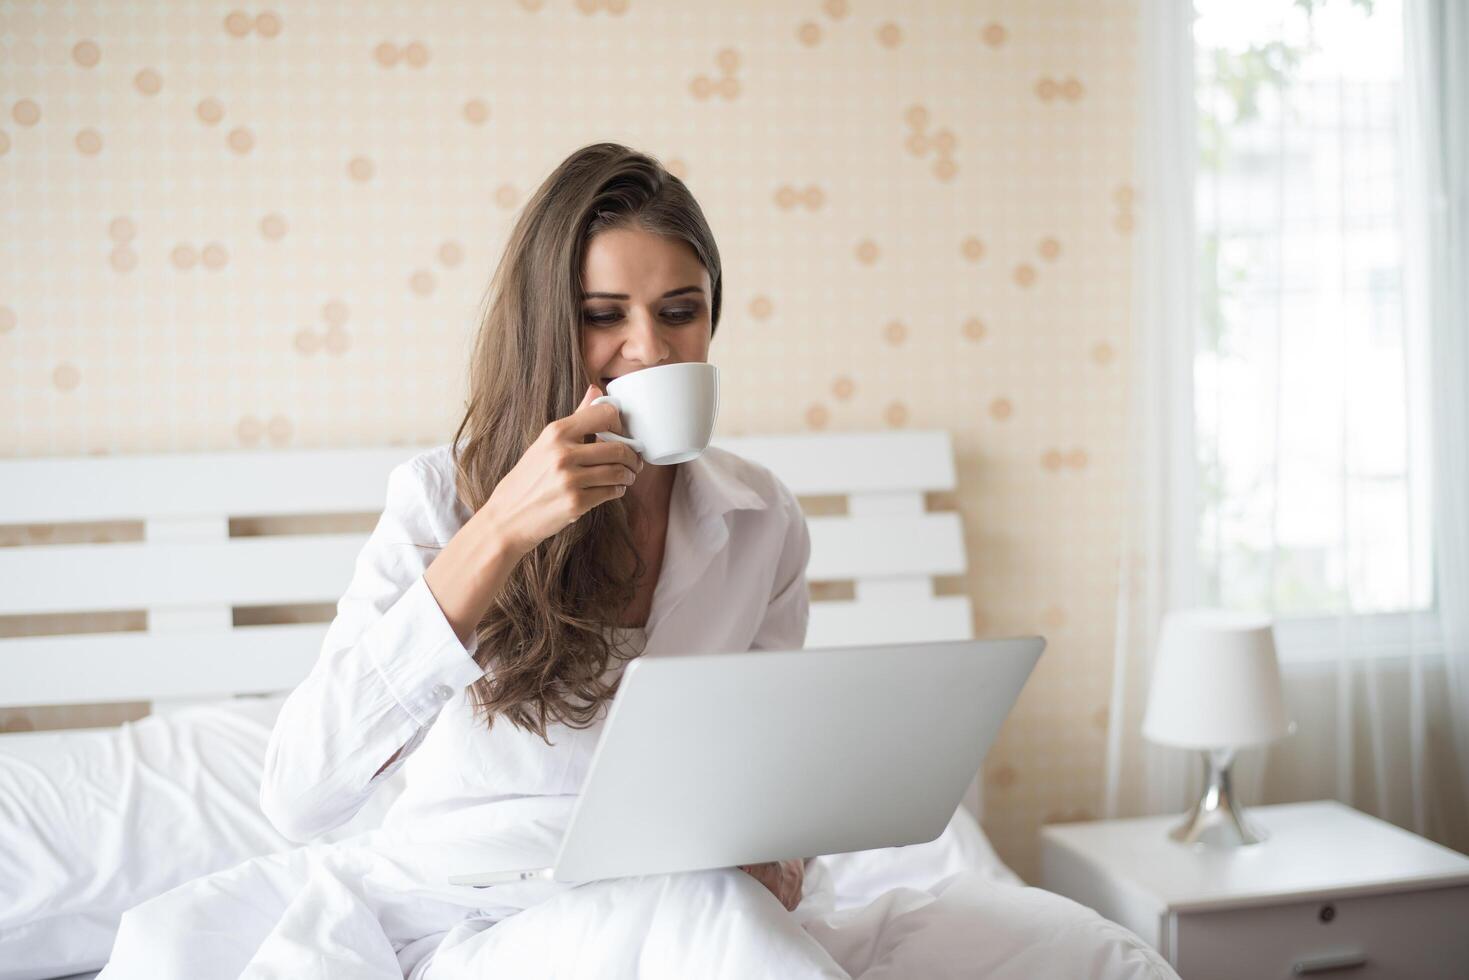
(717,760)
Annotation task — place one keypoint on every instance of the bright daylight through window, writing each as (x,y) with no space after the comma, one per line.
(1311,420)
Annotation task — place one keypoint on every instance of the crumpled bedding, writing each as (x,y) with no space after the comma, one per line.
(93,822)
(156,826)
(379,906)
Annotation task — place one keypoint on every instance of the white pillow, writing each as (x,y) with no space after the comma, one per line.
(94,822)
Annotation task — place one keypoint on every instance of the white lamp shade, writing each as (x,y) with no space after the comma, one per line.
(1216,682)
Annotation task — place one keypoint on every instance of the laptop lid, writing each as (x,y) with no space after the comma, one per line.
(715,760)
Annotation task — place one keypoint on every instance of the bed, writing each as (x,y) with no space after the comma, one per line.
(94,821)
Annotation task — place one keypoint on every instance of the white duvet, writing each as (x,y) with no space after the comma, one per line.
(378,907)
(375,903)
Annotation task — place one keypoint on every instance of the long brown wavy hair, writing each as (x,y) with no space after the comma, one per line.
(542,642)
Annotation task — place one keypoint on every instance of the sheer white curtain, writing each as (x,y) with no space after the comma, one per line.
(1437,172)
(1300,380)
(1157,566)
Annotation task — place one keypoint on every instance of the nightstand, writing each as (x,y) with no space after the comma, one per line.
(1332,892)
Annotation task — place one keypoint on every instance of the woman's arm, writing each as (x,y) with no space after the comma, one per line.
(400,646)
(402,643)
(464,580)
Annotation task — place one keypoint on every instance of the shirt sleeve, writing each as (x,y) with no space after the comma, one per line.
(388,664)
(789,609)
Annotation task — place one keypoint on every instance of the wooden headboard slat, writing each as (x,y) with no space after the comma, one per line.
(188,574)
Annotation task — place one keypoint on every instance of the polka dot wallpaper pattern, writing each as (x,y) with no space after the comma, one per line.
(239,225)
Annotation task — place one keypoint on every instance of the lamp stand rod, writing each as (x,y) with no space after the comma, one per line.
(1216,819)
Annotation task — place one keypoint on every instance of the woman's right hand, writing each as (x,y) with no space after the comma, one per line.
(785,879)
(561,477)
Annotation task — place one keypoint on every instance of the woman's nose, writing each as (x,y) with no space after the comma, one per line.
(643,344)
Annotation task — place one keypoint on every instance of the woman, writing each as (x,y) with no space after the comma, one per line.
(511,576)
(611,269)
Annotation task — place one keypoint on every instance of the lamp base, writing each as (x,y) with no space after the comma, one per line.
(1216,820)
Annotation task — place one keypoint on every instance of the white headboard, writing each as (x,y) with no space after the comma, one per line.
(189,574)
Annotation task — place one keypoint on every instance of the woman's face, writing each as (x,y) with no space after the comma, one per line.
(646,303)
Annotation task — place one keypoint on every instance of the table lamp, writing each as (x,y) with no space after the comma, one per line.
(1216,688)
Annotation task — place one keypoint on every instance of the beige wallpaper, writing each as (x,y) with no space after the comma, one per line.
(268,225)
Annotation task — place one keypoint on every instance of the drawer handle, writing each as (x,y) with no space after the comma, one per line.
(1328,963)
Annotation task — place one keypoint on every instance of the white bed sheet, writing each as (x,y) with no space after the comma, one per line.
(93,823)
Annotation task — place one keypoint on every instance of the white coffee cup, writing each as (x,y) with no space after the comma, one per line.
(668,411)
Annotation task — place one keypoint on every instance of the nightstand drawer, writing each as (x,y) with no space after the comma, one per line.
(1422,934)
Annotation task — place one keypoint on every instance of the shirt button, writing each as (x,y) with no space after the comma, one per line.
(442,692)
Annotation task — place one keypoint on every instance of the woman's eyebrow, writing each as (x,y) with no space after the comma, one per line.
(672,292)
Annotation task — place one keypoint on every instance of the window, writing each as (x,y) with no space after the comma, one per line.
(1310,425)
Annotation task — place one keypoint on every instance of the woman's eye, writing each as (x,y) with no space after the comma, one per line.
(673,316)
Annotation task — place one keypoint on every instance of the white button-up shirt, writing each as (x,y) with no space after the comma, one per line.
(392,673)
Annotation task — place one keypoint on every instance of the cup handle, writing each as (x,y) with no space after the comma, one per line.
(637,447)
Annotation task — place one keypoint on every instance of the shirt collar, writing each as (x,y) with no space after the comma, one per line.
(705,490)
(715,487)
